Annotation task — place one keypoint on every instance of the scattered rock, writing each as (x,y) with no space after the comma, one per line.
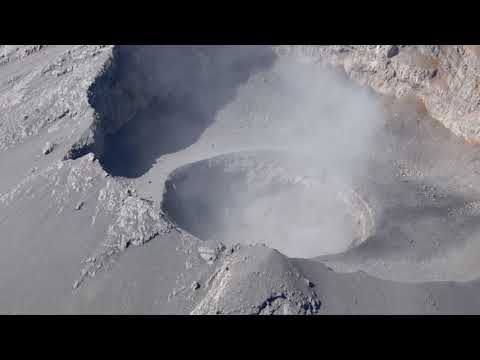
(79,205)
(309,283)
(48,148)
(90,260)
(221,247)
(392,51)
(63,114)
(208,254)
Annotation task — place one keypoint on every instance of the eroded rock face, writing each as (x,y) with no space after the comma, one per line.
(258,280)
(444,79)
(45,88)
(59,106)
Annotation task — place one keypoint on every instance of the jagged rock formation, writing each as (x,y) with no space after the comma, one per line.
(92,139)
(257,280)
(443,78)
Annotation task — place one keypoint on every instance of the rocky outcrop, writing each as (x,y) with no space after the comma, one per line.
(75,217)
(444,80)
(258,280)
(47,92)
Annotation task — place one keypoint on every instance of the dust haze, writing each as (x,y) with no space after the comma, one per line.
(290,184)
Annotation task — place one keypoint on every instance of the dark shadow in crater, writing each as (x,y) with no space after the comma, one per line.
(197,195)
(172,94)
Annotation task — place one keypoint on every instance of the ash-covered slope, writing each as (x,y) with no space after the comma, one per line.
(443,78)
(145,179)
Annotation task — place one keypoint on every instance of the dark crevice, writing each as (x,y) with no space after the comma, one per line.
(265,307)
(155,100)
